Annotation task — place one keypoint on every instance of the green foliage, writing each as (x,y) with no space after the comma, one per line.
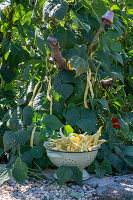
(36,152)
(79,64)
(76,195)
(66,174)
(105,165)
(20,171)
(14,123)
(62,86)
(117,57)
(100,172)
(87,121)
(51,122)
(116,162)
(22,136)
(55,8)
(72,116)
(68,130)
(128,151)
(27,115)
(24,60)
(5,175)
(9,139)
(102,169)
(77,175)
(1,151)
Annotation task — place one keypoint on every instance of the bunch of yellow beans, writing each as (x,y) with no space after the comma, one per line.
(76,142)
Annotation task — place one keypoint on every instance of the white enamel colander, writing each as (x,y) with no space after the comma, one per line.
(78,159)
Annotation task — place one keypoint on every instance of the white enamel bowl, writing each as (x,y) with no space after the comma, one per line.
(78,159)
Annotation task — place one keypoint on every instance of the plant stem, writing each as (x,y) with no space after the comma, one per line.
(96,36)
(42,171)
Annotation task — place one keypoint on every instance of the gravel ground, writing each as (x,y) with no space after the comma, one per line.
(107,188)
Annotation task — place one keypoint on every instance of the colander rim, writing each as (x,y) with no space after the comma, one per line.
(46,147)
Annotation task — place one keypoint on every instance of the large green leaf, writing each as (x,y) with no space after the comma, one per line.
(72,116)
(105,57)
(77,175)
(55,8)
(129,161)
(65,76)
(119,102)
(118,57)
(37,152)
(5,175)
(76,195)
(9,139)
(19,12)
(79,50)
(52,122)
(100,172)
(8,74)
(1,151)
(66,37)
(22,100)
(15,122)
(128,151)
(40,102)
(5,45)
(64,174)
(78,93)
(93,166)
(72,39)
(7,116)
(113,34)
(88,37)
(68,130)
(61,85)
(115,161)
(116,46)
(28,115)
(42,163)
(117,75)
(41,45)
(38,138)
(78,21)
(106,166)
(115,68)
(118,151)
(65,90)
(87,125)
(22,136)
(79,64)
(124,127)
(27,158)
(20,171)
(104,103)
(99,8)
(2,114)
(88,121)
(61,34)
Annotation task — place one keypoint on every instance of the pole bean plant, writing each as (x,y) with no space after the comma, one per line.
(53,76)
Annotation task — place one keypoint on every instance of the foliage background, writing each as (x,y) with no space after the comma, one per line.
(24,57)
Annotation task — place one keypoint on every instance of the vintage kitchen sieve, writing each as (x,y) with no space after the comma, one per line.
(65,158)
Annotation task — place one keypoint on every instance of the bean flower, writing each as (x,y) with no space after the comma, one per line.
(115,123)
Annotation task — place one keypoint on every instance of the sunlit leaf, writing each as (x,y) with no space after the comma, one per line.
(79,64)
